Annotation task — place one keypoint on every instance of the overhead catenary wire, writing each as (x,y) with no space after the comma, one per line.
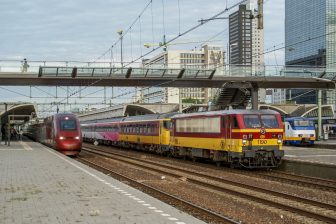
(167,42)
(12,91)
(127,30)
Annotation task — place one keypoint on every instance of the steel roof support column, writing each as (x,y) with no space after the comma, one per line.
(319,115)
(254,97)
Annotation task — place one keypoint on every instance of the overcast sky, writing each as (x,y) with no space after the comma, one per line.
(82,30)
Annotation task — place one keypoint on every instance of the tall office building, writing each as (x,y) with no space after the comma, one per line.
(240,36)
(310,37)
(246,43)
(209,56)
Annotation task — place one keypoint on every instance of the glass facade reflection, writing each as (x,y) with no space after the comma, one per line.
(331,37)
(305,27)
(310,39)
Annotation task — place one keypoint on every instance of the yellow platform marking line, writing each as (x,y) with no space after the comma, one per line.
(26,146)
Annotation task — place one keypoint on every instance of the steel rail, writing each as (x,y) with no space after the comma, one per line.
(176,200)
(232,183)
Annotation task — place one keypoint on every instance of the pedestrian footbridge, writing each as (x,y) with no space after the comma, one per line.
(102,74)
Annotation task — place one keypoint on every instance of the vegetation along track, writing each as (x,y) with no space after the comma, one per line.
(194,177)
(197,211)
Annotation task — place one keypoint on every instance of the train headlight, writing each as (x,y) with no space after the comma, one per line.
(61,138)
(77,137)
(279,141)
(280,137)
(244,141)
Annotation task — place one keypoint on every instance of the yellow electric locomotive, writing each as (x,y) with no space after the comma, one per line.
(241,138)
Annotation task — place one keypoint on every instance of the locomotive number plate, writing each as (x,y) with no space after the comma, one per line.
(262,142)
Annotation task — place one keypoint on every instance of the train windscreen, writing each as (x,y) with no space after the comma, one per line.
(303,123)
(68,125)
(256,121)
(252,121)
(269,121)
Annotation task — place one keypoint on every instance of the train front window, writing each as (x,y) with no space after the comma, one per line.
(252,121)
(303,123)
(167,124)
(269,121)
(68,125)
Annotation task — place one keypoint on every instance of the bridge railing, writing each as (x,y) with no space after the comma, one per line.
(104,69)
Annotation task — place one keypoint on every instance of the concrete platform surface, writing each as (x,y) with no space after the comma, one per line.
(310,154)
(325,144)
(40,185)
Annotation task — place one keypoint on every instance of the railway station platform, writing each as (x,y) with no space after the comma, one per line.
(311,154)
(310,161)
(40,185)
(325,144)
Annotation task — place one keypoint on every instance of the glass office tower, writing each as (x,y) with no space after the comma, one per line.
(310,39)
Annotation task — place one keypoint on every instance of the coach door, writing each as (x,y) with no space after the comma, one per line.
(227,132)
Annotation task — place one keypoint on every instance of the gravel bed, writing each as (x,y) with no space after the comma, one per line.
(240,209)
(313,194)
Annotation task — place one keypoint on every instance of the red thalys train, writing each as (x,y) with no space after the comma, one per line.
(60,131)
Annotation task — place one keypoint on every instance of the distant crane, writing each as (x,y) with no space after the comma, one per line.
(260,15)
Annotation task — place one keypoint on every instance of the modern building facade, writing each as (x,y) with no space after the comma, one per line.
(240,36)
(246,43)
(209,56)
(310,40)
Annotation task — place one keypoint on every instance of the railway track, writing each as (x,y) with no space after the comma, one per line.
(300,180)
(282,177)
(197,211)
(194,178)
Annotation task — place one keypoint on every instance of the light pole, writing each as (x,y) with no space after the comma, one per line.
(120,32)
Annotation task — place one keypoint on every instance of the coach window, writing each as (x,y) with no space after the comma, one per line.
(189,125)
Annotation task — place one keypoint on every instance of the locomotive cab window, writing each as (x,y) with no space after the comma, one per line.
(167,124)
(269,121)
(68,125)
(252,121)
(303,123)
